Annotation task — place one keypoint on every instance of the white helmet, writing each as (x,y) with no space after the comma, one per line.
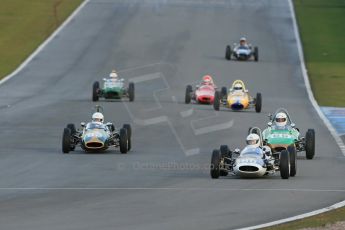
(243,39)
(281,119)
(113,74)
(253,140)
(238,86)
(97,117)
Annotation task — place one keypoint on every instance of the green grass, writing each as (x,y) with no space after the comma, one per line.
(25,24)
(322,28)
(314,221)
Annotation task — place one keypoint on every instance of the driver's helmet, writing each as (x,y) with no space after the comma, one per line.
(281,119)
(98,117)
(207,80)
(238,87)
(243,41)
(253,140)
(113,74)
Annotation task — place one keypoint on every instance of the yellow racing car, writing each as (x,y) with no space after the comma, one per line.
(237,98)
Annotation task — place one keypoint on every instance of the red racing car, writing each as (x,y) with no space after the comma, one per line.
(204,92)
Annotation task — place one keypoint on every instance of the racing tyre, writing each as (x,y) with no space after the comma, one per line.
(95,89)
(131,91)
(129,135)
(256,53)
(258,103)
(215,162)
(228,53)
(223,92)
(73,132)
(284,164)
(224,152)
(310,144)
(123,141)
(72,128)
(216,102)
(66,140)
(188,96)
(293,160)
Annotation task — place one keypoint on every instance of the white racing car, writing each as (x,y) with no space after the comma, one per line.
(242,51)
(255,160)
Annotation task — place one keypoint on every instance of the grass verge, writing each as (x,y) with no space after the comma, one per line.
(321,24)
(25,24)
(320,220)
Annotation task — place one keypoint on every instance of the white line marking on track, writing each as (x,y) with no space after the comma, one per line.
(175,189)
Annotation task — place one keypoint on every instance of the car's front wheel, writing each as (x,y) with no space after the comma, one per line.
(228,53)
(66,140)
(258,103)
(131,91)
(188,96)
(216,101)
(123,141)
(215,164)
(310,144)
(284,164)
(95,91)
(129,135)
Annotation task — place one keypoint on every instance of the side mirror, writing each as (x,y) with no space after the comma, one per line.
(293,125)
(237,151)
(246,91)
(82,124)
(269,124)
(104,79)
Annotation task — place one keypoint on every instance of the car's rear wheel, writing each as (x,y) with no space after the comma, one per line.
(284,164)
(215,164)
(129,135)
(123,141)
(188,96)
(95,91)
(131,91)
(66,140)
(216,101)
(256,53)
(228,53)
(310,144)
(258,103)
(293,160)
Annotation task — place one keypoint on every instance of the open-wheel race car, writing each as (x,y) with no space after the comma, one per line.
(242,51)
(203,93)
(238,98)
(113,88)
(255,160)
(96,136)
(282,133)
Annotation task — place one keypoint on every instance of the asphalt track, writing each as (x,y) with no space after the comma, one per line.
(162,183)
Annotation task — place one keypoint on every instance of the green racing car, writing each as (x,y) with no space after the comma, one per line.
(282,133)
(112,89)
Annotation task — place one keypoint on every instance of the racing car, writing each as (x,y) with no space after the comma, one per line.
(253,161)
(242,51)
(112,89)
(203,93)
(237,98)
(96,136)
(282,133)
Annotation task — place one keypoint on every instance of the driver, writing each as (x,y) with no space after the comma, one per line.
(207,80)
(238,88)
(243,42)
(98,118)
(113,74)
(253,142)
(281,120)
